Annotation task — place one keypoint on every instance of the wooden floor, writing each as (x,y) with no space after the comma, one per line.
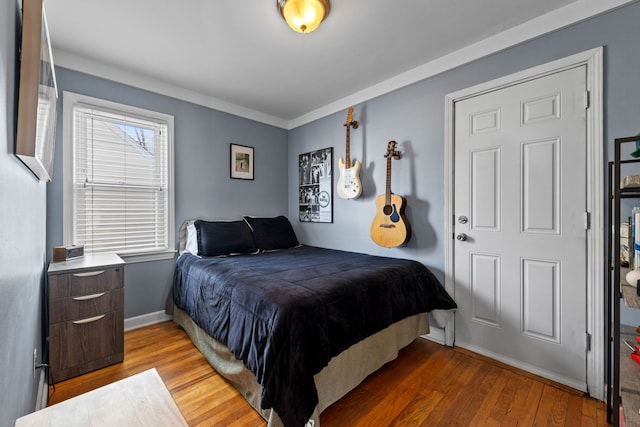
(427,385)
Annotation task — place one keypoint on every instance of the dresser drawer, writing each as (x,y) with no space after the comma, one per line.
(85,282)
(83,306)
(86,314)
(82,345)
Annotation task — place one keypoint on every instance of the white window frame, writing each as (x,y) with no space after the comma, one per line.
(70,99)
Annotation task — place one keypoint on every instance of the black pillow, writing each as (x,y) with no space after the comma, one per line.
(272,233)
(224,238)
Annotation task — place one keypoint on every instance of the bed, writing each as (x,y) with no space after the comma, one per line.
(295,327)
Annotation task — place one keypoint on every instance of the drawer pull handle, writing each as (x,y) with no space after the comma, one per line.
(88,297)
(89,273)
(89,320)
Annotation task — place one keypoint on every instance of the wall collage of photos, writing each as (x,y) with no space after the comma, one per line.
(315,186)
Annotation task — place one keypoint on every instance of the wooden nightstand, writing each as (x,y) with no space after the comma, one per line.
(86,314)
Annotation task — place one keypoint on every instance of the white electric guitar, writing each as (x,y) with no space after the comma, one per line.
(349,185)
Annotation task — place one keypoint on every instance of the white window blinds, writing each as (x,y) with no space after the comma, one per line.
(121,184)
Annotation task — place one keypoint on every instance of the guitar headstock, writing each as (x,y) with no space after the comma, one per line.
(350,121)
(391,150)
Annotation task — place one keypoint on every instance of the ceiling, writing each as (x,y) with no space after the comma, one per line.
(240,56)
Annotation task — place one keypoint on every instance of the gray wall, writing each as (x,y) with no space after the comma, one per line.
(22,245)
(203,188)
(414,117)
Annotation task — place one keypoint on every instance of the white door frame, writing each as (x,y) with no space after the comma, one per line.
(595,198)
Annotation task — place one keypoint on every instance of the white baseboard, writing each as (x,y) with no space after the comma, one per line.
(146,320)
(526,367)
(42,399)
(435,334)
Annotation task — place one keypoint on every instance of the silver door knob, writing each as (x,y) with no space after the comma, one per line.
(462,237)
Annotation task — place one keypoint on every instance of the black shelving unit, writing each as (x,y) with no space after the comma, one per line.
(614,294)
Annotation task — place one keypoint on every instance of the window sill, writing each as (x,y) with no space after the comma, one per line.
(149,256)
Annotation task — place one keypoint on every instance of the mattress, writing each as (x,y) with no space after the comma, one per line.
(286,314)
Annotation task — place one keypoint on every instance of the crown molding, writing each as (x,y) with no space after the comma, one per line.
(96,68)
(568,15)
(560,18)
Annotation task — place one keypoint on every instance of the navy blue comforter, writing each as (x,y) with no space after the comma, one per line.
(285,314)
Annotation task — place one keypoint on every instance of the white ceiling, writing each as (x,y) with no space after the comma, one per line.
(240,56)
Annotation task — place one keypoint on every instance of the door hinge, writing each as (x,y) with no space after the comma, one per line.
(588,341)
(586,99)
(587,220)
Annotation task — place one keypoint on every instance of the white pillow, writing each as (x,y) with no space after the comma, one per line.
(192,239)
(183,235)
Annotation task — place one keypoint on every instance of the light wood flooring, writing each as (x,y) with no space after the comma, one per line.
(427,385)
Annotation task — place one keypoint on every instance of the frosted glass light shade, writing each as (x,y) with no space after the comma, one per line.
(303,16)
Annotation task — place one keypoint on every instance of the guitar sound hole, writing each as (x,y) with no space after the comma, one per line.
(387,209)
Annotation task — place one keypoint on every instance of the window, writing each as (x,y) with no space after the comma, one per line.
(118,194)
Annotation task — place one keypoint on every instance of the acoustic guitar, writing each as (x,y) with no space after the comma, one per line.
(389,227)
(349,185)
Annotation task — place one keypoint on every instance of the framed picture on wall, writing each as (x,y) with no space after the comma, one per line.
(242,160)
(315,186)
(38,94)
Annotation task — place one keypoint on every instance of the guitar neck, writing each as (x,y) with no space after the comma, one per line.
(387,199)
(348,124)
(347,160)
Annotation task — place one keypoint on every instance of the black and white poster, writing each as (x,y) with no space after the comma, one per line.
(316,187)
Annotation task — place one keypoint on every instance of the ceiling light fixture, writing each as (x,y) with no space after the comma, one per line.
(303,16)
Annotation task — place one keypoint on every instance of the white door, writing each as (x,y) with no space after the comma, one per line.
(520,202)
